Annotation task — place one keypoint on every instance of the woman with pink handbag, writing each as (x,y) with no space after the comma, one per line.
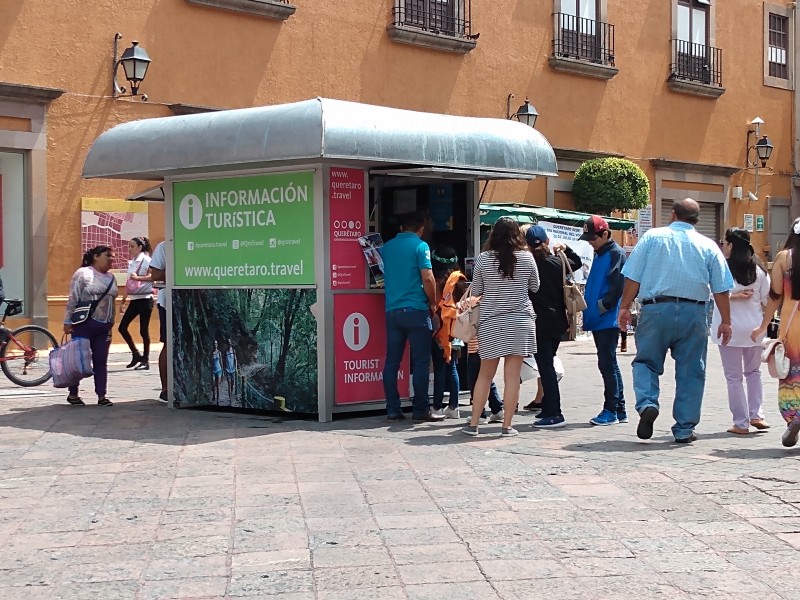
(785,291)
(137,301)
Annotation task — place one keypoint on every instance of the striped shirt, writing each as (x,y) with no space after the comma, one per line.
(678,261)
(500,295)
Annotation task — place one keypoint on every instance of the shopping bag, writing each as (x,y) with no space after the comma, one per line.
(529,369)
(71,362)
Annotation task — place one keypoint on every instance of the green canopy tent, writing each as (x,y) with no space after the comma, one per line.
(527,213)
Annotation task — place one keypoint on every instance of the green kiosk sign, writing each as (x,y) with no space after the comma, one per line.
(245,231)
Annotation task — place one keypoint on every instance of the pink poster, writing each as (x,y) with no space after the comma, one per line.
(360,348)
(347,210)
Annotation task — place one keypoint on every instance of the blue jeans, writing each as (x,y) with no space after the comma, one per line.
(415,327)
(682,329)
(546,348)
(445,375)
(606,340)
(473,368)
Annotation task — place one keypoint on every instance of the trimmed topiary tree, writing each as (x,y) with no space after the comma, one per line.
(602,185)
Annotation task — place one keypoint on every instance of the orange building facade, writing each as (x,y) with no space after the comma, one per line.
(671,85)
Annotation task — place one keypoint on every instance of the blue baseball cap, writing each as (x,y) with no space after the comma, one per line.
(536,236)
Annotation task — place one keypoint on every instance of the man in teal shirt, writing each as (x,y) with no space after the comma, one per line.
(410,298)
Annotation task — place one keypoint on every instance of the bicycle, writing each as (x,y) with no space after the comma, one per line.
(25,351)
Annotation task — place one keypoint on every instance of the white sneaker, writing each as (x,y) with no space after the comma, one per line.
(451,413)
(496,417)
(438,413)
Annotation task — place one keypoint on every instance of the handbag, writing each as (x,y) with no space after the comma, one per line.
(71,362)
(465,325)
(138,288)
(85,309)
(574,301)
(774,353)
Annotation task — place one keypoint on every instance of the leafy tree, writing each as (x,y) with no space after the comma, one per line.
(602,185)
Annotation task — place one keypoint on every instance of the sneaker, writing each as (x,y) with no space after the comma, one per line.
(606,417)
(162,397)
(622,416)
(789,438)
(644,431)
(686,440)
(428,417)
(470,430)
(76,401)
(482,420)
(143,365)
(104,402)
(451,413)
(497,417)
(439,412)
(510,432)
(550,422)
(533,406)
(135,361)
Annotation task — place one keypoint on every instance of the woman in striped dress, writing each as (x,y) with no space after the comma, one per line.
(502,277)
(785,293)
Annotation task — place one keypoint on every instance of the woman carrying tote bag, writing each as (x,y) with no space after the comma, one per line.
(94,287)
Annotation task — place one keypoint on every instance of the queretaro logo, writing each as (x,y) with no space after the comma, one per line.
(190,211)
(348,229)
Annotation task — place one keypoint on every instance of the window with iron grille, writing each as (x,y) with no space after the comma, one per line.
(446,17)
(778,51)
(581,33)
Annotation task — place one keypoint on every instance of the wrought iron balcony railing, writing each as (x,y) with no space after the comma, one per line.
(583,39)
(444,17)
(696,62)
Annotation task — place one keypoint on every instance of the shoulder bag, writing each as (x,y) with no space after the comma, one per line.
(774,353)
(85,309)
(573,298)
(465,325)
(138,288)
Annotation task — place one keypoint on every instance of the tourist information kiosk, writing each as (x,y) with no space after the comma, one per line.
(274,298)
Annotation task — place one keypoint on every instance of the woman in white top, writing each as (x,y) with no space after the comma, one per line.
(741,358)
(137,301)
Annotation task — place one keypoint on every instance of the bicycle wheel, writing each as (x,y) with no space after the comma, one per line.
(25,357)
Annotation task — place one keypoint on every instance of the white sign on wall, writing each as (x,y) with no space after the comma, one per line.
(567,234)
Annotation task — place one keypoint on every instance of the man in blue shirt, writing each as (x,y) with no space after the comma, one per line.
(602,294)
(410,298)
(672,269)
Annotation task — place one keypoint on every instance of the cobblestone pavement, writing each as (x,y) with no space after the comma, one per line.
(137,501)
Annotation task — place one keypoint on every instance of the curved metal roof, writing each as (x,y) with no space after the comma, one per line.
(261,137)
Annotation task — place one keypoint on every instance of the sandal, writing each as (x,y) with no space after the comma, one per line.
(104,402)
(76,401)
(738,430)
(759,424)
